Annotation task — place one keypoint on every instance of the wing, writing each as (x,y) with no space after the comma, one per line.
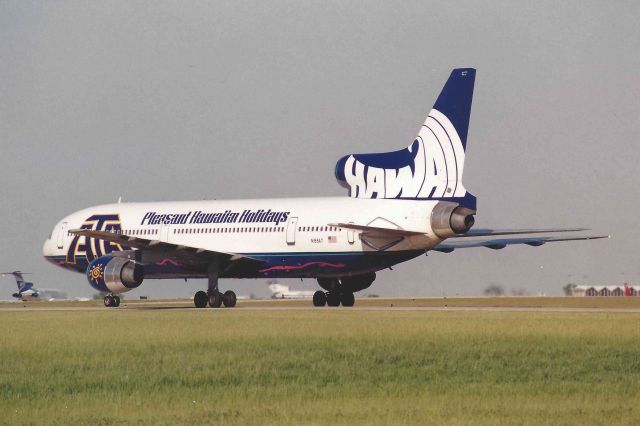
(189,255)
(391,232)
(500,243)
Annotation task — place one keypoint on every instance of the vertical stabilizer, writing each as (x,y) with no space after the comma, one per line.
(431,167)
(454,100)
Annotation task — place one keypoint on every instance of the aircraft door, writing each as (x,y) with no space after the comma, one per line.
(292,225)
(351,235)
(164,233)
(61,233)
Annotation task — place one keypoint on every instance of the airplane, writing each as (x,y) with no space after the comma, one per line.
(401,205)
(280,291)
(26,291)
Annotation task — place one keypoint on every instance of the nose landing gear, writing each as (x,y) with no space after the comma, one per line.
(111,301)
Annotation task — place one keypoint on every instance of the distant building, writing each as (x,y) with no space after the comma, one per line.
(605,291)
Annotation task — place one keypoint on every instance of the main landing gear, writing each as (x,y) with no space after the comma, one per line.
(212,296)
(339,291)
(111,301)
(215,299)
(333,298)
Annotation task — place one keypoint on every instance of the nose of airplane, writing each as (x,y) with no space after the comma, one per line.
(47,248)
(52,253)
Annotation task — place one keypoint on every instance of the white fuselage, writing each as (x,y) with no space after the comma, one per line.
(28,295)
(305,228)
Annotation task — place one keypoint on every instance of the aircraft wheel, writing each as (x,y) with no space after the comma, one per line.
(319,298)
(116,301)
(229,299)
(108,301)
(347,299)
(333,299)
(215,299)
(200,299)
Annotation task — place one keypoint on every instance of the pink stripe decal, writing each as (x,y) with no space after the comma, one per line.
(164,262)
(306,265)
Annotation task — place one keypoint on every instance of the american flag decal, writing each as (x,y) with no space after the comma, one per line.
(332,239)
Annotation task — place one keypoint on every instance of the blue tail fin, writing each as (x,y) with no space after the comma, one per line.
(455,98)
(431,167)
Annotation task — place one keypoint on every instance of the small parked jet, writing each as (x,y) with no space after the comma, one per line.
(280,291)
(26,291)
(402,204)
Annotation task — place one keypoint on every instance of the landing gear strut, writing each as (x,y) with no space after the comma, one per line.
(111,301)
(212,296)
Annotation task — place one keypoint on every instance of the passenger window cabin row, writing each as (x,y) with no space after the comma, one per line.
(261,229)
(318,228)
(228,230)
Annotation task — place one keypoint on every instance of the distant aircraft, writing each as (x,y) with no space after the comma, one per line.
(26,291)
(283,292)
(402,204)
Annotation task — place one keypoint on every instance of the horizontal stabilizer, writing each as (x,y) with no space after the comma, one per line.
(378,230)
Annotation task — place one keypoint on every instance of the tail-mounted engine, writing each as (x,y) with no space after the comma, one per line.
(113,274)
(449,219)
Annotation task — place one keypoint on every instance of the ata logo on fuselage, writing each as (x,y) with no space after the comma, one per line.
(91,248)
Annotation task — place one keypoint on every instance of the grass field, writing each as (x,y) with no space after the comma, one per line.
(319,366)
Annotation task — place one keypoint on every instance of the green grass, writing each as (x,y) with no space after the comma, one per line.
(319,366)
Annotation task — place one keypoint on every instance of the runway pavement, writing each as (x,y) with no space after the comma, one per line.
(159,306)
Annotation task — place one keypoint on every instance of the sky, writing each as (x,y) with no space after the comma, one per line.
(155,101)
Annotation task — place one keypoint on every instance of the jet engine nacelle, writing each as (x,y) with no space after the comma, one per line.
(449,219)
(113,274)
